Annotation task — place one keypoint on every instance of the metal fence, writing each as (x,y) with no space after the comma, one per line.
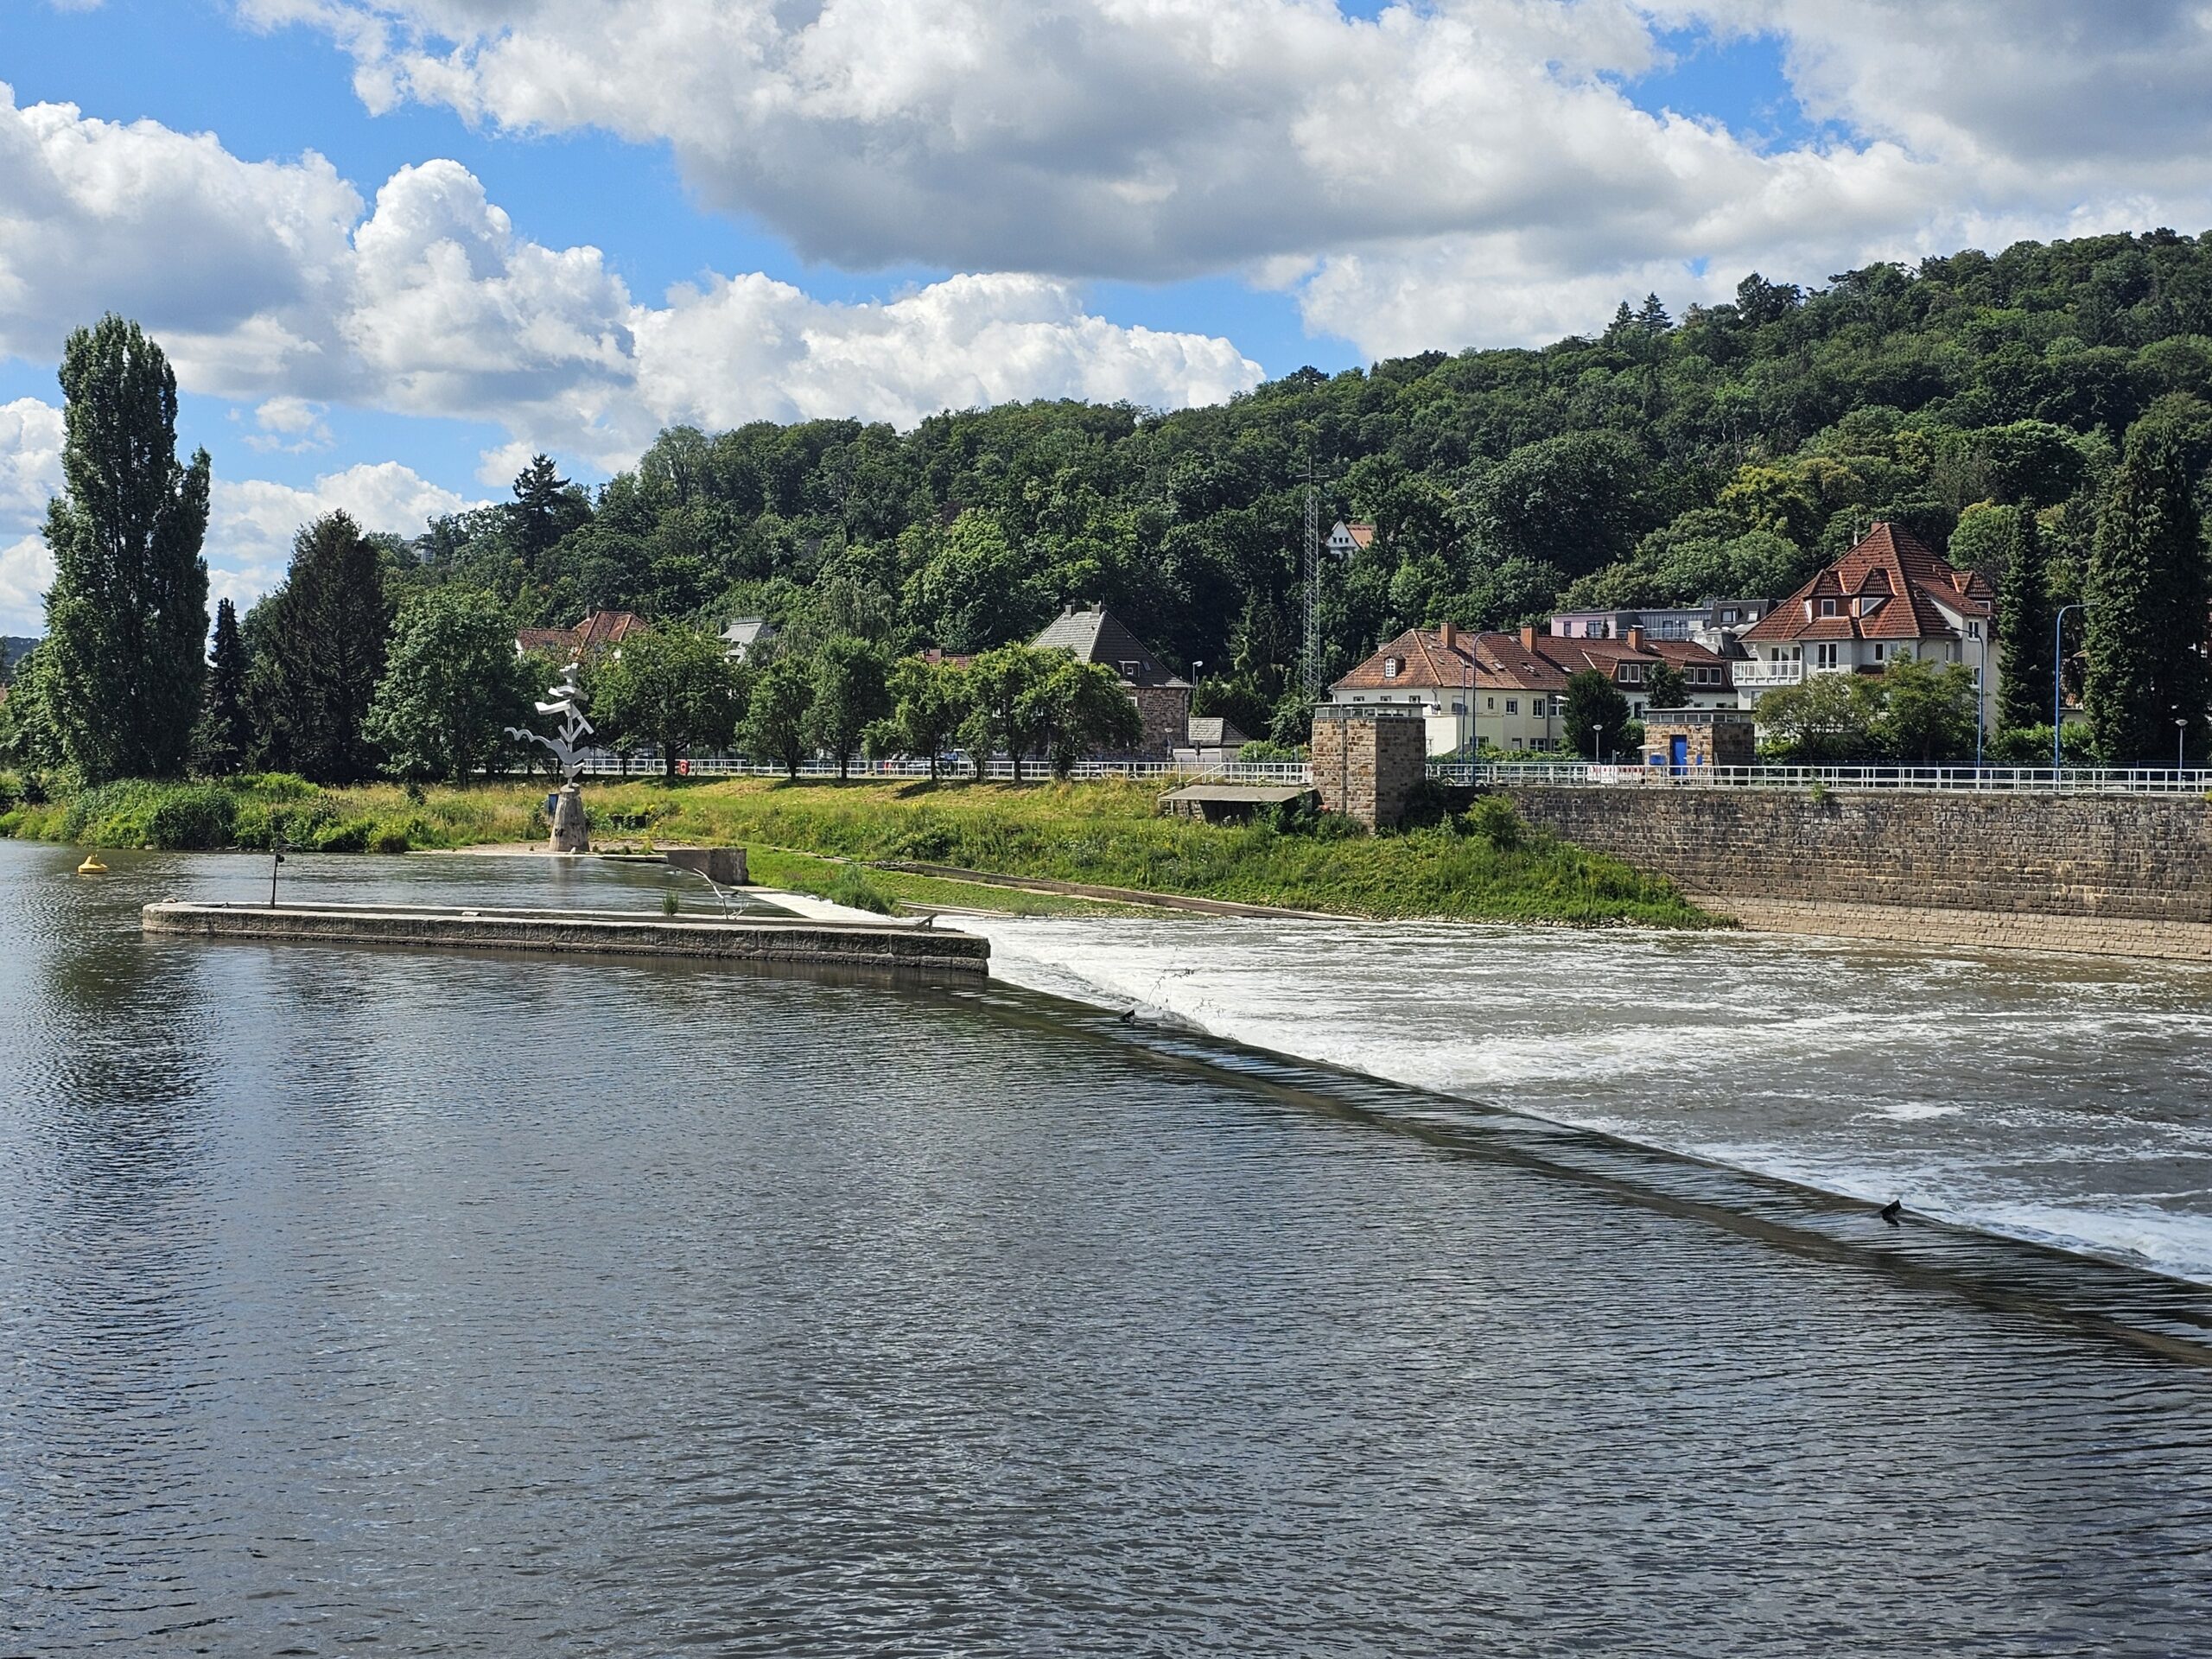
(2072,780)
(997,770)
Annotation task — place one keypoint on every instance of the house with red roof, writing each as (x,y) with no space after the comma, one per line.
(600,631)
(1890,596)
(1507,690)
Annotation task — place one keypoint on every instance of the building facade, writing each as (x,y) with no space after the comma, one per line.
(1507,690)
(1162,696)
(1890,596)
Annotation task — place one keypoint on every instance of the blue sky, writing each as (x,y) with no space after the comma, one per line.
(395,246)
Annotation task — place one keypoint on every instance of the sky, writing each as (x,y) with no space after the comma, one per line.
(395,247)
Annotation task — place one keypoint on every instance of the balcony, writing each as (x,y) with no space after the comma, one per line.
(1764,677)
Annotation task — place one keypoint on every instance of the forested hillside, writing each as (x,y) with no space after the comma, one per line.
(1659,460)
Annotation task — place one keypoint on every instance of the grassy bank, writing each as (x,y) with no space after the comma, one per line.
(1485,867)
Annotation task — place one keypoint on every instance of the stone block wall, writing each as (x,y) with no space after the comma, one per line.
(1166,712)
(1367,765)
(2137,858)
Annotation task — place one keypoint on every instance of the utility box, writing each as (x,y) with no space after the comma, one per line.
(1369,765)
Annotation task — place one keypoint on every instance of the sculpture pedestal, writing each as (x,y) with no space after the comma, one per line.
(569,835)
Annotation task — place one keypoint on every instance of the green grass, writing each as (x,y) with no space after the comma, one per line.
(1110,834)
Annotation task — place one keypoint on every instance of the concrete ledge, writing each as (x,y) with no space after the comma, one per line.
(789,941)
(1912,926)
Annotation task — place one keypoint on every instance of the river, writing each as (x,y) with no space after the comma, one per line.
(359,1301)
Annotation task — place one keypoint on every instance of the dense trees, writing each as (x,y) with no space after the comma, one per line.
(223,736)
(317,650)
(674,689)
(451,686)
(127,616)
(1915,714)
(2146,602)
(1595,714)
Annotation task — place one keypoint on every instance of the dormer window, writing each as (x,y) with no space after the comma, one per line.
(1828,607)
(1392,667)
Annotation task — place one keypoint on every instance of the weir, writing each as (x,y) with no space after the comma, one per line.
(907,948)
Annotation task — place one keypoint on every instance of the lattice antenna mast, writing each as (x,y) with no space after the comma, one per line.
(1312,663)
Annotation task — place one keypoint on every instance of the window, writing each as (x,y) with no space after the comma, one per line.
(1974,630)
(1824,656)
(1459,708)
(1391,665)
(1880,650)
(1631,673)
(1728,616)
(1828,607)
(1513,705)
(1490,703)
(1129,670)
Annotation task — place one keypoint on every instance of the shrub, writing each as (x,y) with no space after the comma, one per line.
(350,836)
(1492,818)
(277,785)
(853,889)
(391,838)
(195,819)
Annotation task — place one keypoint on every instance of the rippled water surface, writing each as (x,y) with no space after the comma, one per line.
(360,1301)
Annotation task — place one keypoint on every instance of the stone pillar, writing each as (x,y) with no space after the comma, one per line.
(569,835)
(1368,764)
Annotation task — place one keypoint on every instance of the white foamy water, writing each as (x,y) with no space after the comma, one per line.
(2063,1099)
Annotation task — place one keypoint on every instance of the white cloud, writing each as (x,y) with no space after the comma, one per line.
(291,426)
(265,281)
(753,349)
(1451,172)
(25,572)
(30,460)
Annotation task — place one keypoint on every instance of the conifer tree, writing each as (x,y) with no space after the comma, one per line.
(2024,626)
(318,648)
(127,616)
(225,734)
(2146,595)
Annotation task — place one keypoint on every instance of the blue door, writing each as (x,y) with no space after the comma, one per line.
(1678,754)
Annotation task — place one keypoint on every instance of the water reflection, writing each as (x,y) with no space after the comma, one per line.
(618,1308)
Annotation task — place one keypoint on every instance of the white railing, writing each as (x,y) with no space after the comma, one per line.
(999,769)
(2074,781)
(1767,674)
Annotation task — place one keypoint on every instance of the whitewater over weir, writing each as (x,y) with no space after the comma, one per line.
(2065,1101)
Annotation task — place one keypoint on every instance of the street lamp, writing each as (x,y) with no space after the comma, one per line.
(2058,690)
(1597,737)
(2180,741)
(1981,690)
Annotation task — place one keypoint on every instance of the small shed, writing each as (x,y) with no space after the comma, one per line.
(1682,740)
(1229,803)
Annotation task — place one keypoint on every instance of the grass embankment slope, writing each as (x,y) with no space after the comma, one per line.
(1484,867)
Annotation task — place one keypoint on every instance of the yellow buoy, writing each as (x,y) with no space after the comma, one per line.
(91,866)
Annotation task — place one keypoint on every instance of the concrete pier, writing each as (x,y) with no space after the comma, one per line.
(788,941)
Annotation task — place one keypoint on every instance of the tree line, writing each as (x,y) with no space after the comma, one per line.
(2044,413)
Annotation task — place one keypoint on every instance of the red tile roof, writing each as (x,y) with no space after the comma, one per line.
(1508,662)
(1886,588)
(597,631)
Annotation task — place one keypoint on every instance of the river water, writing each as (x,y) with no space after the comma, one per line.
(362,1301)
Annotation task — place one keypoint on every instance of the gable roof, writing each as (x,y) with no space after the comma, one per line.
(597,631)
(1508,662)
(1096,635)
(1887,587)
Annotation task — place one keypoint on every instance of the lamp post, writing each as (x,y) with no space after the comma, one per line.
(2181,742)
(277,848)
(1597,738)
(2058,688)
(1980,694)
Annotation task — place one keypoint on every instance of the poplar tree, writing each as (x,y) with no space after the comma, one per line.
(2024,626)
(2146,596)
(126,618)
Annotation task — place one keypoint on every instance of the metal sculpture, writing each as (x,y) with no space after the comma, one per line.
(569,834)
(568,703)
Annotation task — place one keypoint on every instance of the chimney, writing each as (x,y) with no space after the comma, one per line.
(1068,609)
(1529,637)
(1636,639)
(1450,635)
